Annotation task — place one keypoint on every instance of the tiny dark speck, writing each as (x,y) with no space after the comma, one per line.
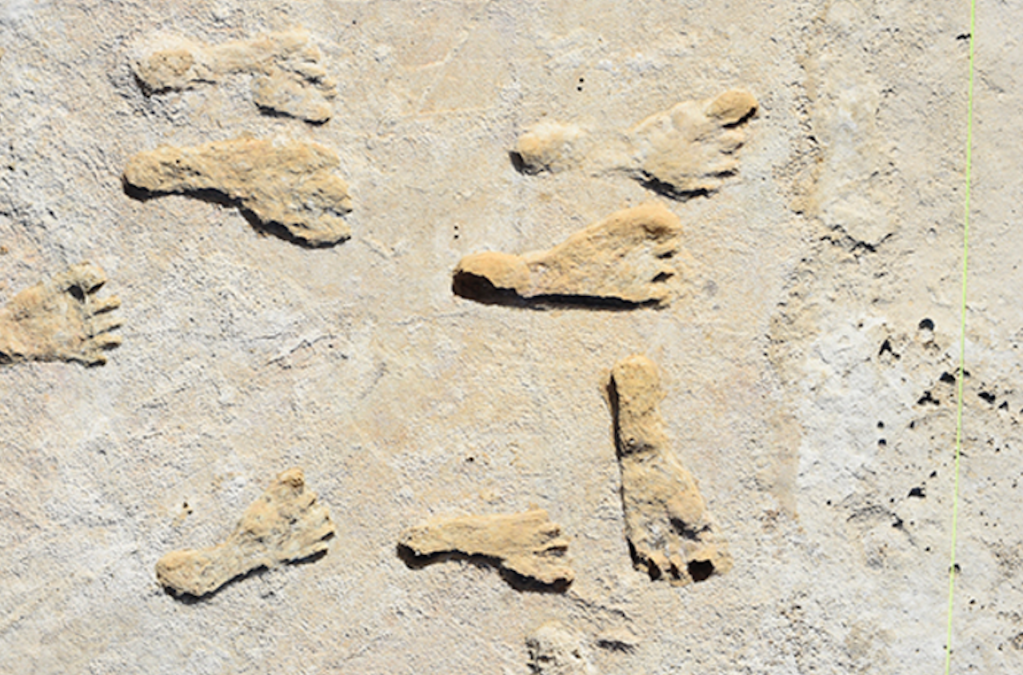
(917,492)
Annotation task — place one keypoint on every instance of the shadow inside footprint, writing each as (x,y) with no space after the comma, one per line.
(218,198)
(186,598)
(189,599)
(672,192)
(518,163)
(515,580)
(480,289)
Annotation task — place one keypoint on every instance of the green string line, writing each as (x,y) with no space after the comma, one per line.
(962,343)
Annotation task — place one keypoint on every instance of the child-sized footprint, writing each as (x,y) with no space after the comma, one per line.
(671,533)
(528,545)
(284,525)
(682,152)
(288,77)
(60,320)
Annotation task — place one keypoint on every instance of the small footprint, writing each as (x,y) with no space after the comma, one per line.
(528,545)
(284,525)
(281,183)
(288,77)
(682,152)
(555,649)
(625,259)
(60,320)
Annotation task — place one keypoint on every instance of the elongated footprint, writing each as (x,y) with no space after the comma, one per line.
(625,259)
(286,524)
(685,151)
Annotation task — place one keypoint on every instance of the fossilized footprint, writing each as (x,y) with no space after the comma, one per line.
(288,77)
(283,183)
(284,525)
(554,649)
(60,320)
(625,258)
(671,534)
(527,544)
(682,152)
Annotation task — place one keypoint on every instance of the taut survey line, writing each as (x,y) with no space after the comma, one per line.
(962,341)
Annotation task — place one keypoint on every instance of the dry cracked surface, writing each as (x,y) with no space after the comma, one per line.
(526,544)
(687,150)
(60,320)
(625,258)
(288,76)
(286,524)
(671,533)
(281,183)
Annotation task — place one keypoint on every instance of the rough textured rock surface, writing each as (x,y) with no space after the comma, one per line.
(281,183)
(811,355)
(527,544)
(671,534)
(284,525)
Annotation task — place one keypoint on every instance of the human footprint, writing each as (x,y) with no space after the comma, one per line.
(682,152)
(555,649)
(285,183)
(288,76)
(526,544)
(690,149)
(284,525)
(550,146)
(60,320)
(671,534)
(624,258)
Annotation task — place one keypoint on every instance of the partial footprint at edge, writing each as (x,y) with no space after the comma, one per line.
(284,525)
(282,183)
(625,260)
(527,546)
(288,78)
(555,649)
(682,152)
(60,320)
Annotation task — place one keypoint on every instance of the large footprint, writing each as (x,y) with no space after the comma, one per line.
(670,531)
(60,320)
(682,152)
(284,525)
(288,77)
(625,258)
(286,183)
